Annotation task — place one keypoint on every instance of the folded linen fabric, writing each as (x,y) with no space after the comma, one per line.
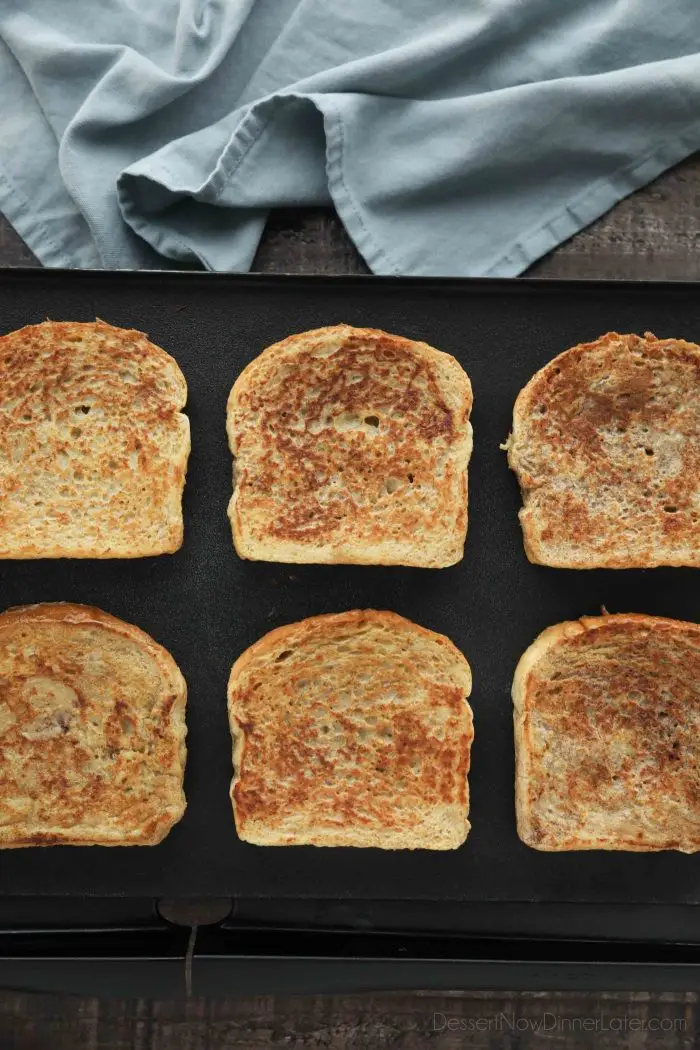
(462,137)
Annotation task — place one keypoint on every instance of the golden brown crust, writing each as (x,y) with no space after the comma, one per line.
(92,730)
(351,729)
(606,716)
(606,447)
(93,445)
(350,445)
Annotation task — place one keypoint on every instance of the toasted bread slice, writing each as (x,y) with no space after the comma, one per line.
(93,446)
(92,730)
(606,447)
(351,730)
(607,735)
(350,445)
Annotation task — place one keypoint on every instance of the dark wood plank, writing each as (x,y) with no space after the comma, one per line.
(13,250)
(654,234)
(308,241)
(409,1022)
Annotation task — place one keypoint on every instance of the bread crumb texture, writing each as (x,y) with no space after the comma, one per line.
(606,447)
(351,730)
(607,735)
(92,730)
(93,445)
(351,445)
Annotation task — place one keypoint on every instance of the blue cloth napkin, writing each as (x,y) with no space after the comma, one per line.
(453,137)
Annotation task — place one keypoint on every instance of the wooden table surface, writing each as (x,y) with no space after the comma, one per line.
(654,234)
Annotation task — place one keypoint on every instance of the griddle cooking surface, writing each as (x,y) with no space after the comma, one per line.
(206,606)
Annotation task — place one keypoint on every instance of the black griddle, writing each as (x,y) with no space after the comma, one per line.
(206,606)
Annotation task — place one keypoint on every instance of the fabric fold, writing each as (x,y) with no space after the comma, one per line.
(466,141)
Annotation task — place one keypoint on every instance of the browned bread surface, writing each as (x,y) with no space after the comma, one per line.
(607,735)
(351,730)
(93,445)
(350,445)
(606,447)
(92,730)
